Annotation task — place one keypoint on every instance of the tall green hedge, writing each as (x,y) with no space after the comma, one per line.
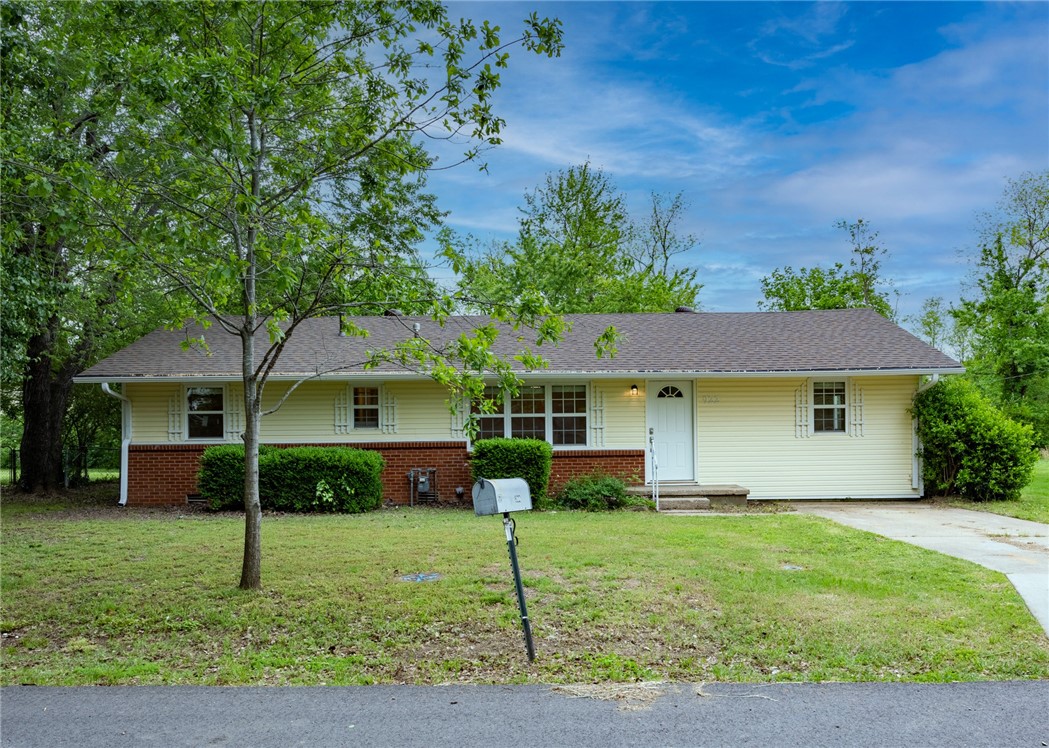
(298,479)
(221,477)
(530,459)
(969,447)
(321,479)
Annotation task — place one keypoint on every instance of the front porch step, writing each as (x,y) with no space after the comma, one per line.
(683,503)
(694,496)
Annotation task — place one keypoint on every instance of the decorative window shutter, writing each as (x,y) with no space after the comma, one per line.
(234,416)
(344,411)
(856,411)
(458,425)
(175,420)
(387,412)
(597,417)
(801,412)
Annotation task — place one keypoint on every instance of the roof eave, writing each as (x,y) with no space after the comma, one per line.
(540,374)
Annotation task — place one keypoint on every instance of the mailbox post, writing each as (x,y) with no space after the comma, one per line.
(502,497)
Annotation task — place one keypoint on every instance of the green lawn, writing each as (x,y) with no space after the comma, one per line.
(111,596)
(1033,503)
(95,475)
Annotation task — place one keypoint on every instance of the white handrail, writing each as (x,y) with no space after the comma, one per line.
(655,466)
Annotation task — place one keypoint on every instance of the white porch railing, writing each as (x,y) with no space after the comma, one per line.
(655,466)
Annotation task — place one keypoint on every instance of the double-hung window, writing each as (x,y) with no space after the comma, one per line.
(365,407)
(205,413)
(568,409)
(828,407)
(554,413)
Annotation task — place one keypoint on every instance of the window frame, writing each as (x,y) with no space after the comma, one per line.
(504,414)
(188,412)
(354,407)
(843,407)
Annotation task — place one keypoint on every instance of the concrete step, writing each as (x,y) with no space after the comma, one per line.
(687,496)
(683,504)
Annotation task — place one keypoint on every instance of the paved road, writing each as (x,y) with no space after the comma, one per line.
(1016,547)
(838,714)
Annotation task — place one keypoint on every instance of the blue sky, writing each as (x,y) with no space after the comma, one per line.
(775,120)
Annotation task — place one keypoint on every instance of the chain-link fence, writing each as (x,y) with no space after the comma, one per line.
(80,465)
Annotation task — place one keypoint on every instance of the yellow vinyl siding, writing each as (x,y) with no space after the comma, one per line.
(746,435)
(308,415)
(149,411)
(422,412)
(624,413)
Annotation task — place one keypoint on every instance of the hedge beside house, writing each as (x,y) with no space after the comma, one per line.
(969,447)
(530,459)
(298,479)
(321,479)
(221,477)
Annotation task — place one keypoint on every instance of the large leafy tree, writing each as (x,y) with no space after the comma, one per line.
(277,151)
(66,298)
(936,325)
(1008,319)
(860,284)
(578,249)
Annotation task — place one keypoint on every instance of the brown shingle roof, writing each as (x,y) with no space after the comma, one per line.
(845,340)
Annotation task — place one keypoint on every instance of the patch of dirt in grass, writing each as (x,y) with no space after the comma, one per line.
(96,501)
(574,642)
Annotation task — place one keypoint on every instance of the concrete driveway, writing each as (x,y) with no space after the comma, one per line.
(1018,548)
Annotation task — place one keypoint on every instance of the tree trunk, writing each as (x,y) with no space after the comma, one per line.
(251,569)
(44,397)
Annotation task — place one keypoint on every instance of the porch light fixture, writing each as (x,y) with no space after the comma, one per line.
(633,390)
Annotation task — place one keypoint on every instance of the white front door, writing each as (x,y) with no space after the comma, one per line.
(670,415)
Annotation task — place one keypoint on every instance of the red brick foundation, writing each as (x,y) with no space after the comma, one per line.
(167,474)
(451,460)
(162,474)
(625,464)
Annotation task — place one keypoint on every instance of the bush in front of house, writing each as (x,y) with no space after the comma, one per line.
(221,477)
(298,479)
(321,479)
(596,493)
(530,459)
(969,447)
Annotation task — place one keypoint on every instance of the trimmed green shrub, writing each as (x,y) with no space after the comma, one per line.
(970,448)
(221,477)
(530,459)
(298,479)
(596,493)
(321,479)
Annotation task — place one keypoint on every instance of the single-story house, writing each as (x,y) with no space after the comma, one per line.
(788,405)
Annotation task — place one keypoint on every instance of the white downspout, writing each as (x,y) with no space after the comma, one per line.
(125,441)
(929,384)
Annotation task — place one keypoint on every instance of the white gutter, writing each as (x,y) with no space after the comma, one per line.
(378,375)
(125,433)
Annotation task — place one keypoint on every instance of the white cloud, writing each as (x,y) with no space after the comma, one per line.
(799,42)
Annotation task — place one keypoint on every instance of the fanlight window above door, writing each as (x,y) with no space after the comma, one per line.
(670,391)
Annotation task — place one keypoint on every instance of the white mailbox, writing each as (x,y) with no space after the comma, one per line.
(500,495)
